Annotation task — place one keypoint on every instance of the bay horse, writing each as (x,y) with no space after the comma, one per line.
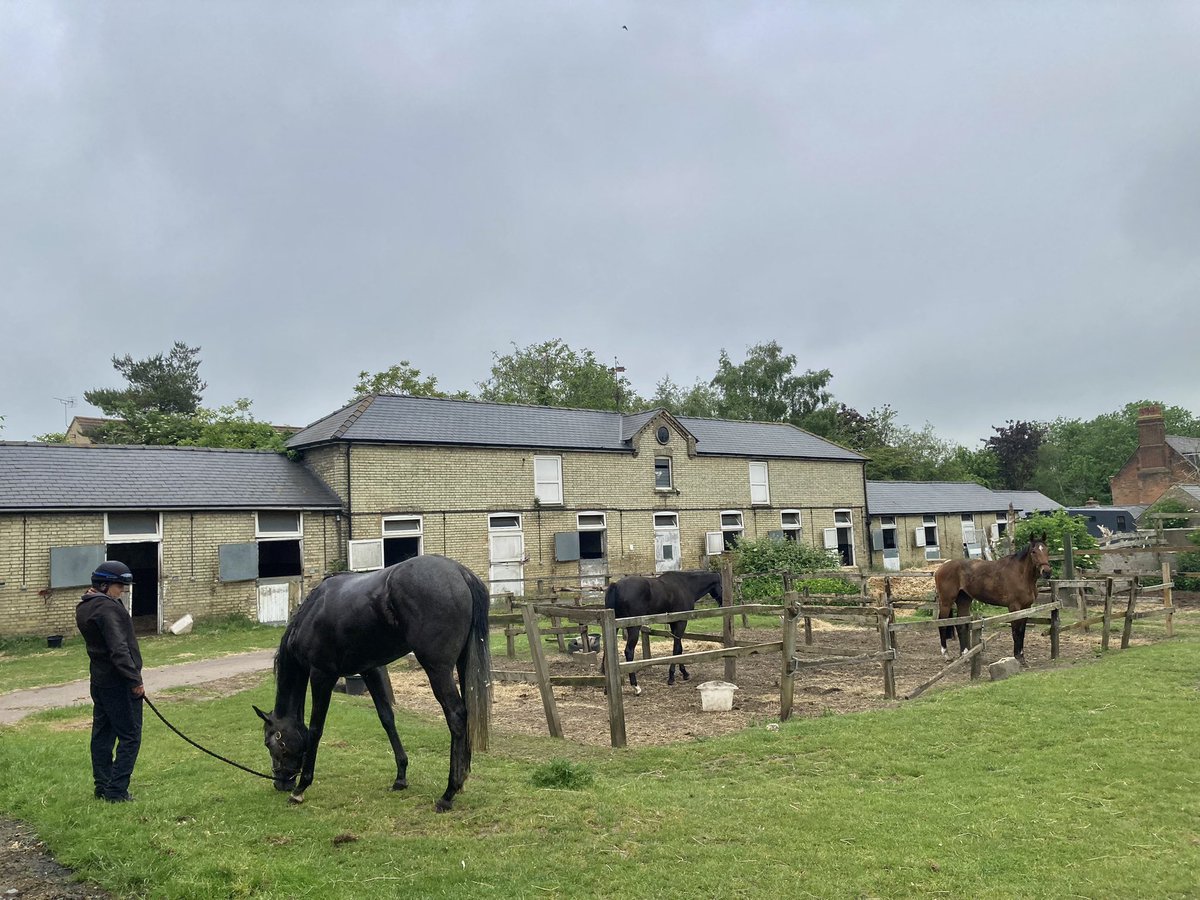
(636,595)
(352,623)
(1010,582)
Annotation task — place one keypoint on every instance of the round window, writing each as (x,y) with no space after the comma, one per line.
(663,434)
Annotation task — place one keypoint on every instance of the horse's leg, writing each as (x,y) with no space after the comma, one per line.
(964,631)
(943,612)
(631,639)
(376,684)
(455,710)
(677,629)
(322,691)
(1018,634)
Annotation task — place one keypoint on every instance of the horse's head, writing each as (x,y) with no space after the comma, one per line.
(1039,552)
(716,594)
(287,742)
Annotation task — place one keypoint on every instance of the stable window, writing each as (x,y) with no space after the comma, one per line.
(547,479)
(592,530)
(760,492)
(401,538)
(1120,523)
(926,535)
(731,528)
(789,521)
(666,520)
(887,529)
(273,524)
(662,473)
(132,527)
(504,521)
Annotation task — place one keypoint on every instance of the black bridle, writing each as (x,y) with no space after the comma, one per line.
(203,749)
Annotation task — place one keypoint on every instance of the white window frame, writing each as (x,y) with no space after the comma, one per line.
(591,524)
(739,529)
(792,530)
(259,534)
(760,487)
(886,524)
(670,485)
(548,490)
(133,537)
(492,517)
(665,525)
(408,532)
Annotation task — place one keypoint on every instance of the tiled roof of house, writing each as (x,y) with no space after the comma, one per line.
(110,476)
(387,418)
(1027,501)
(898,498)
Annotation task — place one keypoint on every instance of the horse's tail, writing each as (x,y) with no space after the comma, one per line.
(475,666)
(610,596)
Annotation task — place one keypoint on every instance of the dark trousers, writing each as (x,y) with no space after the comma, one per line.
(116,720)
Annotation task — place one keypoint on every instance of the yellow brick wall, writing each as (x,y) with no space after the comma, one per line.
(950,537)
(189,565)
(454,488)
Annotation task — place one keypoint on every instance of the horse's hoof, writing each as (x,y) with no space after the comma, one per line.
(943,653)
(443,805)
(637,691)
(400,784)
(296,799)
(686,676)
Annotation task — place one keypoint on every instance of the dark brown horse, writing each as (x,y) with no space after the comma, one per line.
(1010,582)
(635,595)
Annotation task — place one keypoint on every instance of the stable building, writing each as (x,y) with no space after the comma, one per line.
(536,498)
(207,532)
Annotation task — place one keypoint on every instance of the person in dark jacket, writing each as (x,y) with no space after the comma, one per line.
(116,680)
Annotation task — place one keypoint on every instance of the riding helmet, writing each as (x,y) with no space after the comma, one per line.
(113,572)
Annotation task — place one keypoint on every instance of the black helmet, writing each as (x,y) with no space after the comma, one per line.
(113,572)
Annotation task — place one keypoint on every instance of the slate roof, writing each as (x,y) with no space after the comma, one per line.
(1027,501)
(1187,447)
(389,418)
(899,498)
(110,476)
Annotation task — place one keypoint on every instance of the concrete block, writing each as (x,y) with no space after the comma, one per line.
(1004,668)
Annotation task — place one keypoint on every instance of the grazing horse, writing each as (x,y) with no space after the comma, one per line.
(1010,582)
(670,592)
(358,623)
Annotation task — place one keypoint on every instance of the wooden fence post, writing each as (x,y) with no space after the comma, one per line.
(787,678)
(1069,574)
(1054,630)
(975,639)
(887,616)
(539,666)
(727,638)
(1127,631)
(1108,600)
(1168,599)
(510,638)
(612,672)
(807,623)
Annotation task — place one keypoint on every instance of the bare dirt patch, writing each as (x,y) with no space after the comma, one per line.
(28,872)
(665,714)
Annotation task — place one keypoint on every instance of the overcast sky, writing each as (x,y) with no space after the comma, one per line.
(972,212)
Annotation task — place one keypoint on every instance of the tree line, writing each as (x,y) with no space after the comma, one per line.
(1069,460)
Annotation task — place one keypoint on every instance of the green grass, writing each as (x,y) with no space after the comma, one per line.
(1074,782)
(27,662)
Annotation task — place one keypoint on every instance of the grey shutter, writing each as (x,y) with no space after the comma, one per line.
(73,566)
(876,538)
(239,562)
(566,546)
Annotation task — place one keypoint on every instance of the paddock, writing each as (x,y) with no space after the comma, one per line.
(825,681)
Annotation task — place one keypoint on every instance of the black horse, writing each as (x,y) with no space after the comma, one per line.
(670,592)
(358,623)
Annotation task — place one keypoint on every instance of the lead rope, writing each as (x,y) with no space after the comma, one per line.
(203,749)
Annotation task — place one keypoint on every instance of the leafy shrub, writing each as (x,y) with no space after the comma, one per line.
(826,586)
(1189,562)
(1056,524)
(1169,506)
(561,774)
(766,558)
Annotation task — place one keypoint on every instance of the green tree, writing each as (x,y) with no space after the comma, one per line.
(399,379)
(51,437)
(699,401)
(765,388)
(235,426)
(553,374)
(169,384)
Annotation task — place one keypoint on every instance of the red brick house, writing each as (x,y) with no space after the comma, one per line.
(1160,461)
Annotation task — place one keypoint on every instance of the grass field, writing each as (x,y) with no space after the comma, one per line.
(1080,782)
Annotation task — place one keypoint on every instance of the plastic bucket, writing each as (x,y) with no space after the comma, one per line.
(54,640)
(355,686)
(716,696)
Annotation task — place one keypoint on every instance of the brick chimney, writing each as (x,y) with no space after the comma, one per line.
(1152,440)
